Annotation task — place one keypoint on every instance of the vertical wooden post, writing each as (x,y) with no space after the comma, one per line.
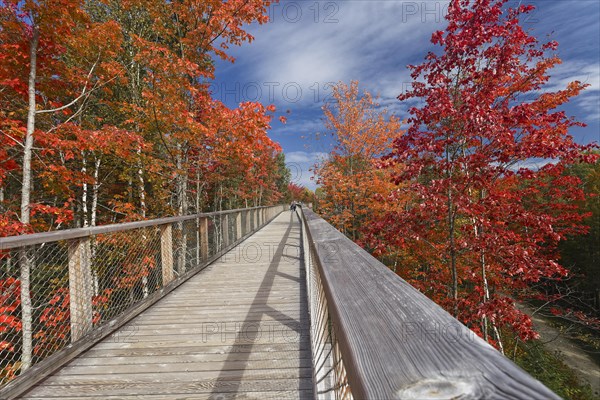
(197,241)
(238,226)
(166,253)
(80,287)
(203,226)
(225,229)
(247,222)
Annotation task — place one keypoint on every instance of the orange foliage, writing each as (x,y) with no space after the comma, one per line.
(353,184)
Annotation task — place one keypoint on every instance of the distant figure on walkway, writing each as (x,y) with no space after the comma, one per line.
(293,206)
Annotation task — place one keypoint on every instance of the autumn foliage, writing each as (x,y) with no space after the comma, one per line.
(482,198)
(106,116)
(125,126)
(350,177)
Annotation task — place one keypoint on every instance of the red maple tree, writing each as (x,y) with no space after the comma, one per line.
(483,169)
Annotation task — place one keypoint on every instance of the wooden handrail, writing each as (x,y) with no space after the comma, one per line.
(12,242)
(398,344)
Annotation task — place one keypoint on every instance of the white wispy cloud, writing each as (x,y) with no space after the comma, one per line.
(300,126)
(575,70)
(300,164)
(591,106)
(533,163)
(311,44)
(305,157)
(339,41)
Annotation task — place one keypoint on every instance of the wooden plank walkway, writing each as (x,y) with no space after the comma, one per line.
(238,329)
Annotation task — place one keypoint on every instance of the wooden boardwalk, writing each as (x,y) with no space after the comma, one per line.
(238,329)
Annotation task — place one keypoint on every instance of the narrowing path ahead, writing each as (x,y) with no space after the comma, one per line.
(238,329)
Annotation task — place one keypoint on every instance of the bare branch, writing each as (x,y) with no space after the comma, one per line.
(12,138)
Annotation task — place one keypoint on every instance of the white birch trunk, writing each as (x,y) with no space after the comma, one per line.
(26,260)
(182,207)
(141,183)
(95,187)
(84,194)
(142,191)
(93,219)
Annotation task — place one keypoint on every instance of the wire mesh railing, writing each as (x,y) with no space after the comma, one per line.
(329,373)
(58,288)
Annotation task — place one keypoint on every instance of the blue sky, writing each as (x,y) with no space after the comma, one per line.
(308,45)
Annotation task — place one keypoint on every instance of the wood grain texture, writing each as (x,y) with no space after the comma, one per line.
(190,356)
(80,288)
(211,350)
(12,242)
(166,253)
(238,329)
(211,388)
(273,395)
(398,344)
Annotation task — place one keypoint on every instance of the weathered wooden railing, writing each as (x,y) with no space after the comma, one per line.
(87,282)
(374,336)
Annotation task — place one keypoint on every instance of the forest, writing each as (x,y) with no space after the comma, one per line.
(106,116)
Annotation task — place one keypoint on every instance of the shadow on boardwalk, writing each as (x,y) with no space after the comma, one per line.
(246,335)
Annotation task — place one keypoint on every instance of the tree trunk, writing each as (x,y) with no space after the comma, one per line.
(28,146)
(182,207)
(93,218)
(451,240)
(141,183)
(84,193)
(95,187)
(142,192)
(198,188)
(451,233)
(219,238)
(486,286)
(26,259)
(129,187)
